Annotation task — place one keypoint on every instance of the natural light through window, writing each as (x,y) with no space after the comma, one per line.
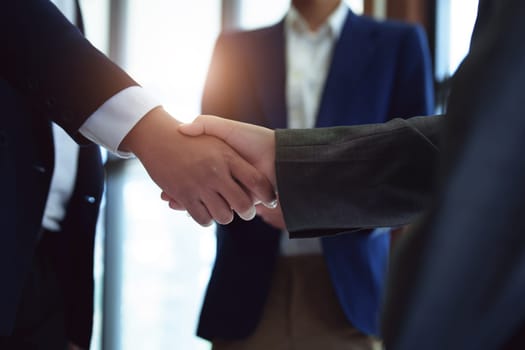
(167,257)
(462,18)
(169,47)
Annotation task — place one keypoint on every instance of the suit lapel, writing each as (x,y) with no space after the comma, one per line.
(270,73)
(348,66)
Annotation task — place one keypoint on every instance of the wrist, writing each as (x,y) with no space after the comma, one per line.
(149,129)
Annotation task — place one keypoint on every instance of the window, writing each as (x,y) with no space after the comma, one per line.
(454,24)
(462,18)
(164,258)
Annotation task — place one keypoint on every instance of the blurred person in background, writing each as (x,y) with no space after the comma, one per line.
(322,65)
(456,280)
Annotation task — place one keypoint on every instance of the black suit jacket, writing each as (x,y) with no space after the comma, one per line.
(458,279)
(48,72)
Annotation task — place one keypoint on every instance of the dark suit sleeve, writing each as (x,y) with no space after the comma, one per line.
(46,58)
(337,179)
(458,281)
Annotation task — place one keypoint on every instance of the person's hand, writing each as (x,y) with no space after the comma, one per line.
(254,143)
(273,217)
(202,175)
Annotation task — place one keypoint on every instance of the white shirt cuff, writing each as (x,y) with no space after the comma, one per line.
(112,121)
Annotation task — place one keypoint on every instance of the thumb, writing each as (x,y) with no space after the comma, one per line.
(238,135)
(194,128)
(209,125)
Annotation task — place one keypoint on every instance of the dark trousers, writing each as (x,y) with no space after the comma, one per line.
(40,316)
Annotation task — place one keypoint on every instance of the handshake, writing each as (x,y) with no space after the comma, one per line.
(212,167)
(215,167)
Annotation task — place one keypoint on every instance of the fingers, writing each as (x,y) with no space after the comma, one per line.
(218,208)
(204,175)
(234,197)
(236,181)
(248,214)
(273,217)
(173,204)
(260,188)
(272,204)
(254,143)
(200,213)
(216,205)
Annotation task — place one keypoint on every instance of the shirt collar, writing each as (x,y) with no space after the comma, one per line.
(334,22)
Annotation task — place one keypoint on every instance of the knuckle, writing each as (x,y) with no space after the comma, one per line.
(229,157)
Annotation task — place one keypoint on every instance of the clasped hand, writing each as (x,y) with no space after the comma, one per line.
(210,177)
(255,144)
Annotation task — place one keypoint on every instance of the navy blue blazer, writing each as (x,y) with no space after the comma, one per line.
(379,70)
(48,72)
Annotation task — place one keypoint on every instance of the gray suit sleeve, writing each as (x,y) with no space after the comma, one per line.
(343,178)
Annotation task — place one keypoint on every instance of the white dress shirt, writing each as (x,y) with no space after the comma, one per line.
(308,58)
(107,126)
